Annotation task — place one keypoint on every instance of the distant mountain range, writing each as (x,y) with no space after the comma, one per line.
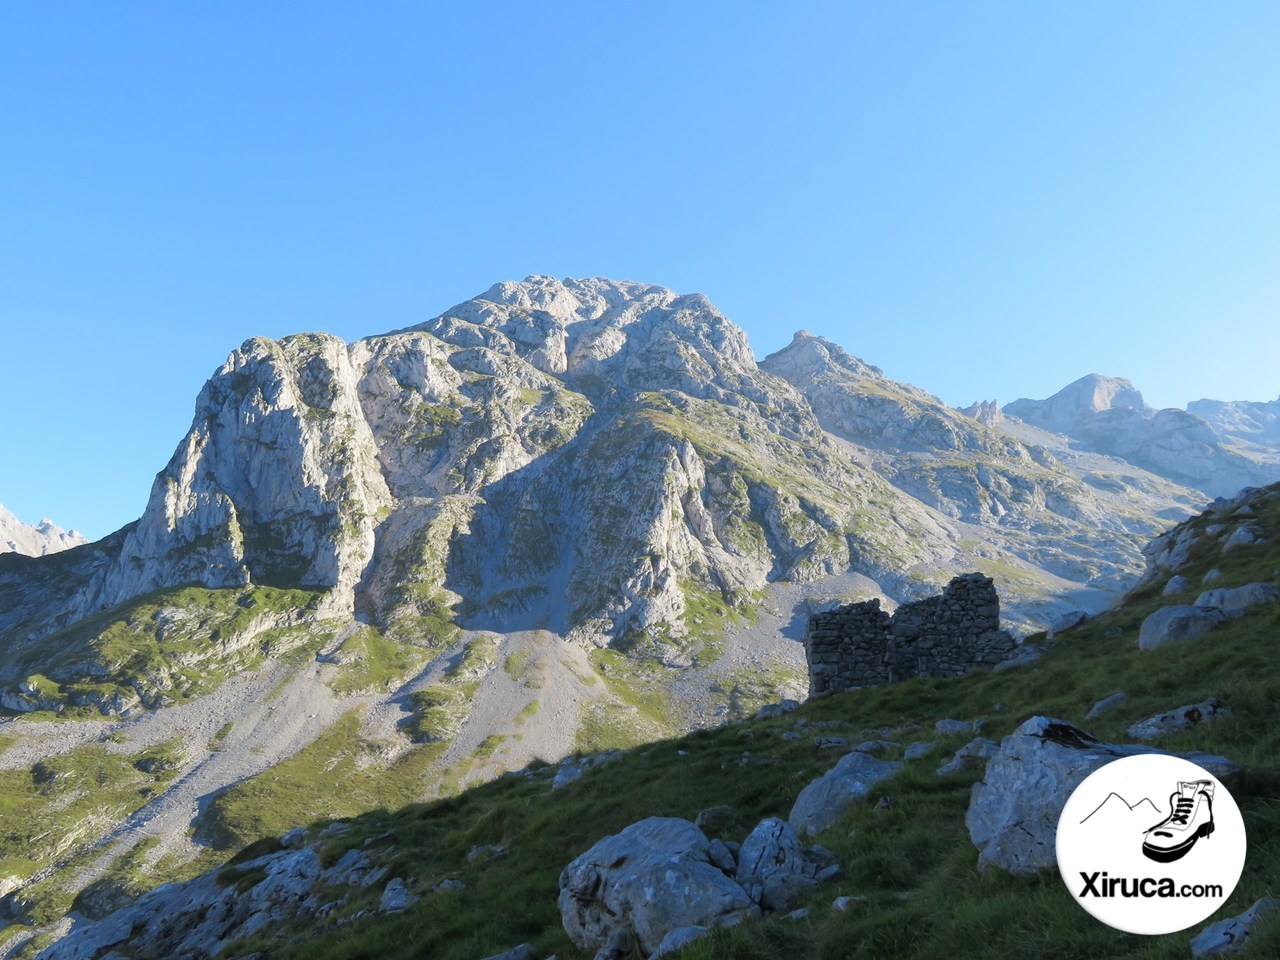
(35,541)
(1213,446)
(600,458)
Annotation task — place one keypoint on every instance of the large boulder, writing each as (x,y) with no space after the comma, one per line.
(1239,601)
(822,802)
(654,877)
(775,868)
(1177,623)
(1013,811)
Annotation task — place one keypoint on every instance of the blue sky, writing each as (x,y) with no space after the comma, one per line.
(985,199)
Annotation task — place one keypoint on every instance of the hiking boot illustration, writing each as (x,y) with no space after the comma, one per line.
(1190,818)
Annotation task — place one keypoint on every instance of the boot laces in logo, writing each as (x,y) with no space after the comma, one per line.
(1143,864)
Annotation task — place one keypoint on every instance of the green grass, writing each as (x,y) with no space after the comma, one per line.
(53,811)
(167,646)
(912,859)
(371,662)
(637,708)
(339,774)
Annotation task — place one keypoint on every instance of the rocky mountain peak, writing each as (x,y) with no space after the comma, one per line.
(809,357)
(35,541)
(1080,401)
(618,331)
(984,411)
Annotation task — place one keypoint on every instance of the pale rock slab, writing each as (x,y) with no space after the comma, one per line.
(824,800)
(653,877)
(1177,624)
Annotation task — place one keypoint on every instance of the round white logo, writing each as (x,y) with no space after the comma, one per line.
(1151,844)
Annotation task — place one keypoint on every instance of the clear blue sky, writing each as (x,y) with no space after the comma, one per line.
(985,199)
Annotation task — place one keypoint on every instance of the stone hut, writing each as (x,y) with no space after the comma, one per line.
(859,645)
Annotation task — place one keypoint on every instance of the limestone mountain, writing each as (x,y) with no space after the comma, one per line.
(604,460)
(559,517)
(1212,446)
(35,541)
(1079,519)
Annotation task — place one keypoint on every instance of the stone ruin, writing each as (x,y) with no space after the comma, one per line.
(859,645)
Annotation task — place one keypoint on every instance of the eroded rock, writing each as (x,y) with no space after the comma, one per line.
(653,877)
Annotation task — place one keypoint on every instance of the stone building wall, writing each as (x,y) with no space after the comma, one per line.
(860,645)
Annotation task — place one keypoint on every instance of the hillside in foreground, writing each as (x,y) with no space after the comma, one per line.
(484,866)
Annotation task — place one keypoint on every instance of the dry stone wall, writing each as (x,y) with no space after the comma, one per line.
(860,645)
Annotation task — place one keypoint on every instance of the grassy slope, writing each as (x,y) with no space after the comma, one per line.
(173,644)
(912,859)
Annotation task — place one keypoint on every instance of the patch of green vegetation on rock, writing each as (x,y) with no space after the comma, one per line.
(52,812)
(372,662)
(636,709)
(164,647)
(440,710)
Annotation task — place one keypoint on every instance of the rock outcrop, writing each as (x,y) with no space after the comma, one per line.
(654,877)
(823,801)
(1176,624)
(1231,936)
(198,918)
(1056,512)
(1179,719)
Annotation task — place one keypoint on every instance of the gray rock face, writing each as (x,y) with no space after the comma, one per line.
(1176,584)
(1231,936)
(654,877)
(921,748)
(196,919)
(396,897)
(1242,536)
(771,711)
(1013,812)
(822,802)
(773,866)
(1239,601)
(1176,624)
(1180,719)
(1068,621)
(949,727)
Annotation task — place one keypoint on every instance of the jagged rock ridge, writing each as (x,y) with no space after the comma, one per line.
(35,541)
